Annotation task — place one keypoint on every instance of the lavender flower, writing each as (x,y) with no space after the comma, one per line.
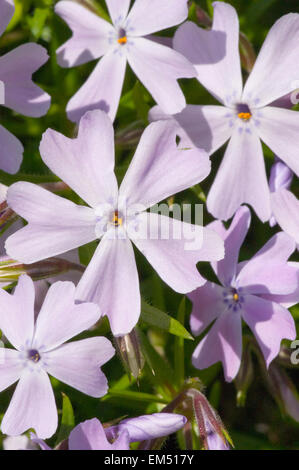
(159,169)
(19,92)
(126,40)
(39,351)
(254,291)
(247,116)
(91,435)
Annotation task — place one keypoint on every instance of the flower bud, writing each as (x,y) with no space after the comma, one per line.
(130,352)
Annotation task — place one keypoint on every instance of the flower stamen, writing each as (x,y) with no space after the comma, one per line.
(123,40)
(116,219)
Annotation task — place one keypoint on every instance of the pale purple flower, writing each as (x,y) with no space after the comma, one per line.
(254,291)
(91,435)
(284,204)
(248,115)
(127,39)
(18,443)
(159,169)
(39,351)
(20,93)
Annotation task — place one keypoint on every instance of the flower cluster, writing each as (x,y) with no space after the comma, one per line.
(49,295)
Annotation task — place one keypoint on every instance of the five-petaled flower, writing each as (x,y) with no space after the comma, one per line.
(256,291)
(159,169)
(39,351)
(248,114)
(128,39)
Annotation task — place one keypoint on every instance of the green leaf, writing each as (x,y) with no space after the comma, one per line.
(140,103)
(37,21)
(155,317)
(179,356)
(135,396)
(67,420)
(86,252)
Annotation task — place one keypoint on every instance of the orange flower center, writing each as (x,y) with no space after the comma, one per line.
(245,116)
(122,40)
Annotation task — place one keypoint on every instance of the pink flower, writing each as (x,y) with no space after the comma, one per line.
(20,93)
(248,114)
(125,40)
(39,351)
(158,170)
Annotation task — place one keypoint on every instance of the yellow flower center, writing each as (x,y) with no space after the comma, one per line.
(122,40)
(236,297)
(116,219)
(244,116)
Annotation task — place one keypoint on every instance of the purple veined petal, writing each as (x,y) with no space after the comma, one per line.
(278,59)
(285,207)
(158,68)
(268,271)
(17,313)
(270,323)
(78,363)
(150,16)
(7,11)
(160,168)
(59,309)
(280,177)
(279,129)
(32,406)
(16,69)
(90,39)
(56,225)
(10,367)
(241,178)
(90,435)
(86,163)
(208,304)
(11,152)
(149,426)
(118,10)
(214,53)
(222,343)
(111,281)
(226,269)
(205,126)
(102,89)
(174,248)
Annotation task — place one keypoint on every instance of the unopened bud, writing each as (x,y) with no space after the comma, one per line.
(130,353)
(245,376)
(283,391)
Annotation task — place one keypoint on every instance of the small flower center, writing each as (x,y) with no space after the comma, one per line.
(243,112)
(33,355)
(122,37)
(117,220)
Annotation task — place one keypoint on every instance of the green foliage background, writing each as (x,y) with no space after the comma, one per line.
(260,424)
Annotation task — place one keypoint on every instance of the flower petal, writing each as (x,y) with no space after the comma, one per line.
(214,53)
(78,364)
(278,59)
(59,309)
(270,323)
(111,281)
(241,178)
(7,11)
(102,89)
(268,271)
(222,343)
(160,168)
(17,313)
(10,367)
(205,126)
(174,248)
(233,240)
(207,305)
(16,69)
(56,225)
(150,16)
(86,163)
(285,207)
(159,67)
(90,435)
(90,39)
(149,426)
(118,10)
(32,406)
(279,129)
(11,152)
